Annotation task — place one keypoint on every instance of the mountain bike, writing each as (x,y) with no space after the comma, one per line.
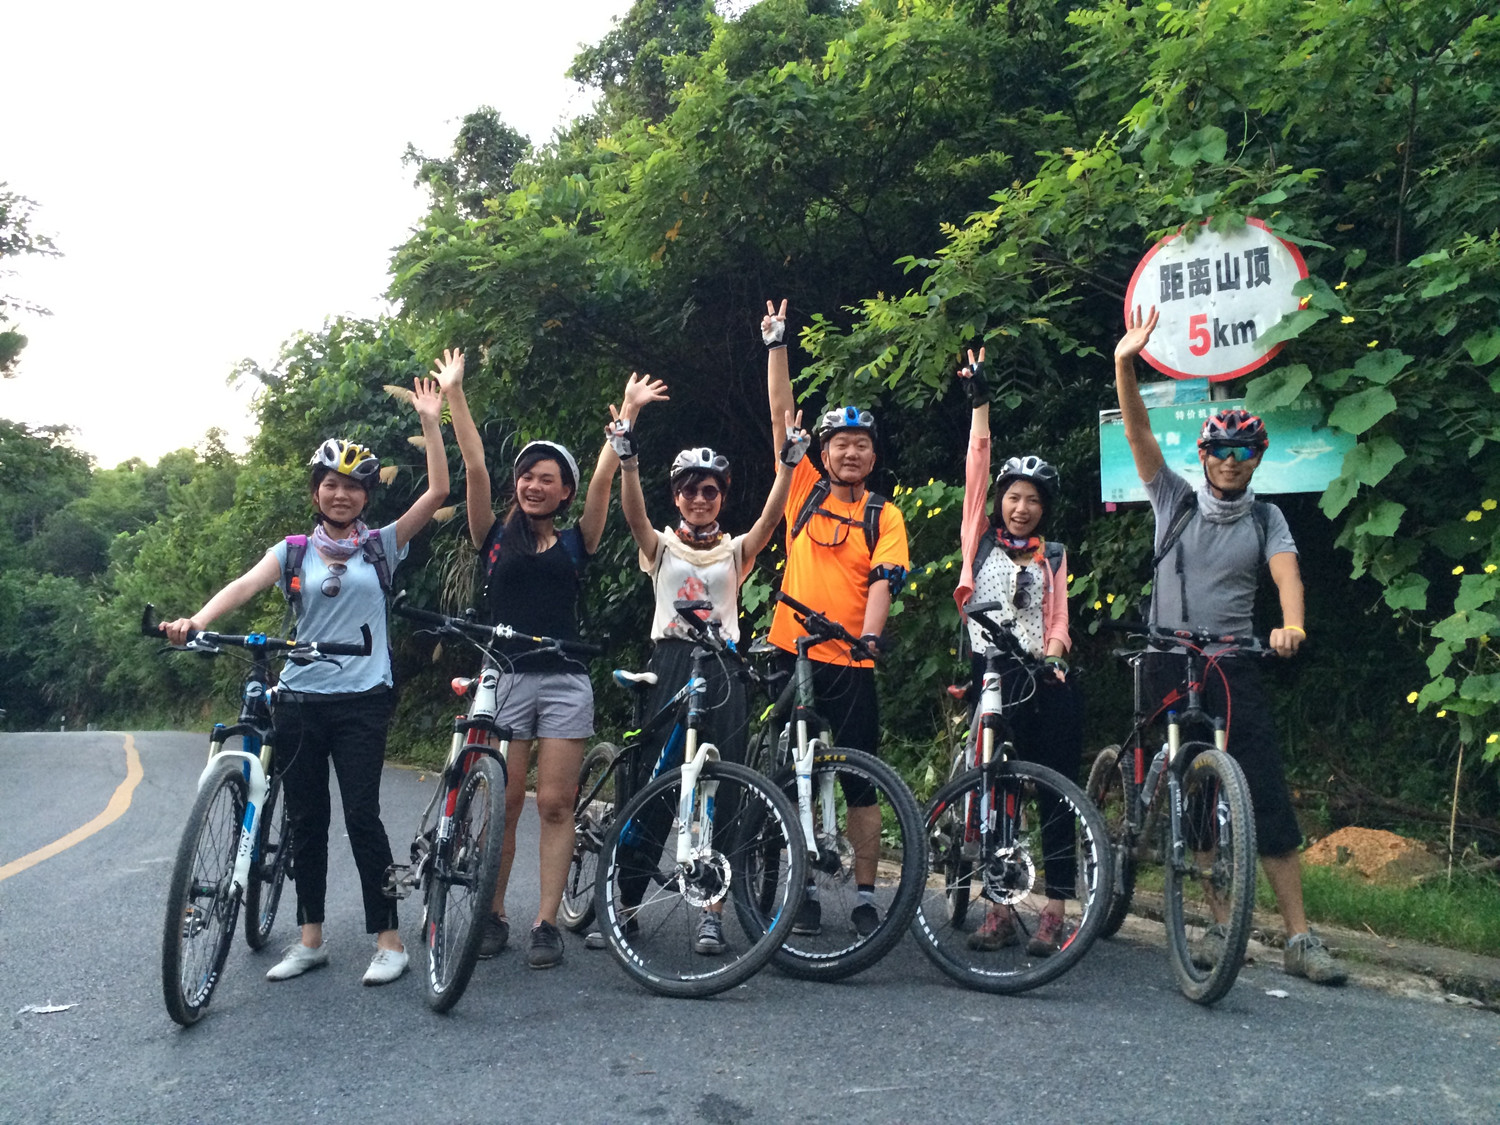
(455,854)
(236,847)
(1005,835)
(695,838)
(794,747)
(1199,826)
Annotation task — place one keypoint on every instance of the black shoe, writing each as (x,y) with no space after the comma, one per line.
(809,920)
(866,919)
(496,936)
(546,946)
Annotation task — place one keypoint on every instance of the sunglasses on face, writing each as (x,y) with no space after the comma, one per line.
(333,582)
(709,492)
(1233,452)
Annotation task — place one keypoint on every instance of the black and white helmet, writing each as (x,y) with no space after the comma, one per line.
(1030,468)
(701,460)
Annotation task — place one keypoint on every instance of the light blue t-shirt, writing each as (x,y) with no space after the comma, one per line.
(358,601)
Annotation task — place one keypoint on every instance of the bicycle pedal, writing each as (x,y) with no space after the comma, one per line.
(400,879)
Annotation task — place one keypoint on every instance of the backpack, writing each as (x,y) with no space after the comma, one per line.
(813,505)
(1051,551)
(1260,510)
(490,556)
(373,552)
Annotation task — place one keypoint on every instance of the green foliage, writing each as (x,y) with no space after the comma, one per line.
(17,238)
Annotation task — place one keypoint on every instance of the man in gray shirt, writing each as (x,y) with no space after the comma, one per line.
(1207,580)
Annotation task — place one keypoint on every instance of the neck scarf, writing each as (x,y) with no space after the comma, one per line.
(1031,543)
(341,548)
(705,536)
(1217,510)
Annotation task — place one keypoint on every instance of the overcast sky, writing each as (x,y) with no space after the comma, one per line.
(220,177)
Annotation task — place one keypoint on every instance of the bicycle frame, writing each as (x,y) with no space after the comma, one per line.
(793,712)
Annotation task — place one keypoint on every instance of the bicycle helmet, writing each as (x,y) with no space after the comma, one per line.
(549,451)
(701,460)
(1234,427)
(1029,468)
(846,418)
(336,455)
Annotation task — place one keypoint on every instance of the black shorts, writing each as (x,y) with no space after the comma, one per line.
(1251,739)
(845,699)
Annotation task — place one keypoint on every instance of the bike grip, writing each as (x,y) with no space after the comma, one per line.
(581,648)
(149,626)
(411,612)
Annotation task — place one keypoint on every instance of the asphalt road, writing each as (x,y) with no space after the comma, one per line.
(1113,1040)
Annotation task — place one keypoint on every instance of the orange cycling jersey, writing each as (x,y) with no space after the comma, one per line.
(828,565)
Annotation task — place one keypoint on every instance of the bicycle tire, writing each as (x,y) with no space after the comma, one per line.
(653,938)
(460,883)
(202,902)
(839,950)
(1212,778)
(1111,787)
(268,873)
(1014,877)
(591,819)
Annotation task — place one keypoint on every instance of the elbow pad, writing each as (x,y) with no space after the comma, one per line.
(895,575)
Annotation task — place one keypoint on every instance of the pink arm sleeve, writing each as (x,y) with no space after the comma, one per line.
(975,524)
(1055,607)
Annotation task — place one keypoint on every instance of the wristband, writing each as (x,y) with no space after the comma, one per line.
(1056,662)
(1297,629)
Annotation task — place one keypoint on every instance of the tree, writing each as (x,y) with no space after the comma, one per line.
(17,238)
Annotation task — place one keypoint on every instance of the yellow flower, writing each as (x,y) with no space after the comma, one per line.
(1110,598)
(949,566)
(1492,739)
(912,587)
(1458,570)
(1411,697)
(932,512)
(931,480)
(1489,568)
(1488,505)
(1342,285)
(1474,516)
(918,504)
(1098,605)
(1442,714)
(1346,320)
(1373,344)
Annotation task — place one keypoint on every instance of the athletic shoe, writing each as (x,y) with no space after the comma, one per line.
(1307,956)
(297,959)
(809,920)
(997,931)
(496,936)
(1209,950)
(546,946)
(866,919)
(710,940)
(386,966)
(1050,935)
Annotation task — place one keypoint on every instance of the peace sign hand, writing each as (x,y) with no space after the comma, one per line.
(973,382)
(773,324)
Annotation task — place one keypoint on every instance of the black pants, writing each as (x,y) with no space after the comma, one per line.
(1046,725)
(350,732)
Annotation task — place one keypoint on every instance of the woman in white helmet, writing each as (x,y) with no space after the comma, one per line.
(532,576)
(338,713)
(697,561)
(1006,559)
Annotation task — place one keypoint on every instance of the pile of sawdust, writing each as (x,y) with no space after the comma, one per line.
(1377,856)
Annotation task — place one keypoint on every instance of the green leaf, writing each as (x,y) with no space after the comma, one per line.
(1355,258)
(1482,686)
(1382,366)
(1276,388)
(1290,327)
(1275,195)
(1369,462)
(1208,144)
(1438,691)
(1483,347)
(1445,282)
(1466,625)
(1356,413)
(1407,592)
(1475,590)
(1440,658)
(1383,520)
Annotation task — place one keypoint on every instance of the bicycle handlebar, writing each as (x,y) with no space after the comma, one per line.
(484,633)
(152,628)
(1251,645)
(824,628)
(1001,637)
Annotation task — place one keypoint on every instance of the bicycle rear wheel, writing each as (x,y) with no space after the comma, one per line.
(1020,830)
(461,882)
(268,873)
(592,814)
(202,901)
(650,906)
(1217,868)
(843,940)
(1111,787)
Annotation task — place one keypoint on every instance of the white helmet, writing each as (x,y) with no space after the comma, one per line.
(556,452)
(351,460)
(701,460)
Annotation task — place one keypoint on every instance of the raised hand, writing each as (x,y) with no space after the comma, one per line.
(795,446)
(773,324)
(972,380)
(1138,333)
(449,371)
(639,390)
(427,398)
(619,436)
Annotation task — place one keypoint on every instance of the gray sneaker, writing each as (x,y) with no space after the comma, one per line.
(1307,956)
(1208,950)
(496,935)
(710,940)
(546,946)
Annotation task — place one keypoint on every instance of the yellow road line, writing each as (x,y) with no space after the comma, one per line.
(113,811)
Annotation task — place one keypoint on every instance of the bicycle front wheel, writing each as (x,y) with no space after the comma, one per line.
(1016,836)
(1213,877)
(1111,787)
(202,900)
(593,810)
(268,873)
(878,843)
(461,882)
(665,877)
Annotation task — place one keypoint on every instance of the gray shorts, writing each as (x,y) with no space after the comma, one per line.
(546,705)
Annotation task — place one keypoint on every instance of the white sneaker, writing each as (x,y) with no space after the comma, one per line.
(386,966)
(296,960)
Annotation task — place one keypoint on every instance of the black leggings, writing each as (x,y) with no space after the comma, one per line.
(1047,729)
(349,731)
